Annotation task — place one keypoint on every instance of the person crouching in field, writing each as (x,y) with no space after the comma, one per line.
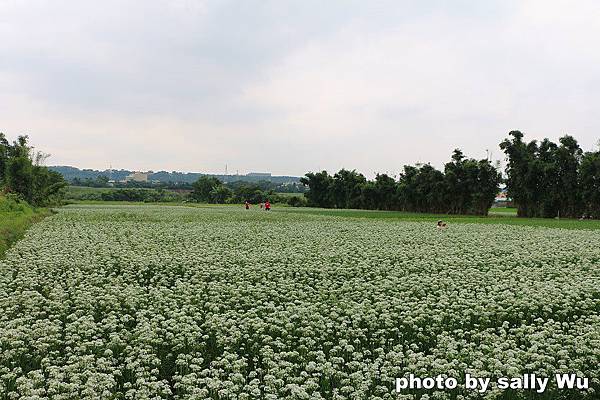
(267,206)
(441,225)
(247,205)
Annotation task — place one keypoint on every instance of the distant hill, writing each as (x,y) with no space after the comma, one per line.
(70,173)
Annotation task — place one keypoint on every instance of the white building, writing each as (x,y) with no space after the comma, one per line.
(137,177)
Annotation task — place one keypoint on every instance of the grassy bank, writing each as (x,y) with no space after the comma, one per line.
(15,218)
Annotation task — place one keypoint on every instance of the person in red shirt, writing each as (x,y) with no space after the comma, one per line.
(267,205)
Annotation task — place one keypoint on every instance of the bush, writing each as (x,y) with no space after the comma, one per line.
(297,201)
(13,203)
(141,195)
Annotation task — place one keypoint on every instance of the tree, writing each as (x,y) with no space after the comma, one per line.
(522,175)
(19,177)
(471,185)
(4,154)
(48,186)
(101,181)
(458,185)
(346,189)
(589,184)
(203,187)
(568,159)
(386,191)
(319,189)
(485,188)
(467,186)
(250,192)
(543,179)
(220,194)
(422,189)
(22,173)
(369,196)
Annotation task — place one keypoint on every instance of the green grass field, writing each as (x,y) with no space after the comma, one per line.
(282,194)
(506,216)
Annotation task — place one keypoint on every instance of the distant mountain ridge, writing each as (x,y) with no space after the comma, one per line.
(70,173)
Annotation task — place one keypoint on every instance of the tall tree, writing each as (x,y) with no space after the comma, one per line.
(458,184)
(569,156)
(346,188)
(22,173)
(543,179)
(203,187)
(386,190)
(589,183)
(518,172)
(319,189)
(4,154)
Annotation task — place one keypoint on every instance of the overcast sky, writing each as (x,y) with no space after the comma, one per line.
(294,86)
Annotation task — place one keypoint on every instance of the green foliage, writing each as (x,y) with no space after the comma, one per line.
(297,201)
(209,189)
(471,185)
(22,174)
(220,194)
(83,193)
(10,203)
(466,186)
(589,183)
(546,179)
(205,189)
(140,195)
(319,192)
(15,217)
(251,192)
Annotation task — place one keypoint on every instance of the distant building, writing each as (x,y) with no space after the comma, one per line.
(262,174)
(137,177)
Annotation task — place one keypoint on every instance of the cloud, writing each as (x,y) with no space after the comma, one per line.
(293,86)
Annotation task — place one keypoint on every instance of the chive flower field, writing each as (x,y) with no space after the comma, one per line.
(157,302)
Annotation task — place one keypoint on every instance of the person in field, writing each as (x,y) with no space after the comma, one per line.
(267,206)
(247,204)
(261,205)
(441,225)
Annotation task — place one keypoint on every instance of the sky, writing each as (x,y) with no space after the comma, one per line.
(294,86)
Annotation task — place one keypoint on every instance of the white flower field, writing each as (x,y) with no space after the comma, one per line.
(138,302)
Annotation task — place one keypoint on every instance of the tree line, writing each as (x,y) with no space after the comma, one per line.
(465,186)
(210,189)
(548,179)
(22,173)
(543,179)
(103,181)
